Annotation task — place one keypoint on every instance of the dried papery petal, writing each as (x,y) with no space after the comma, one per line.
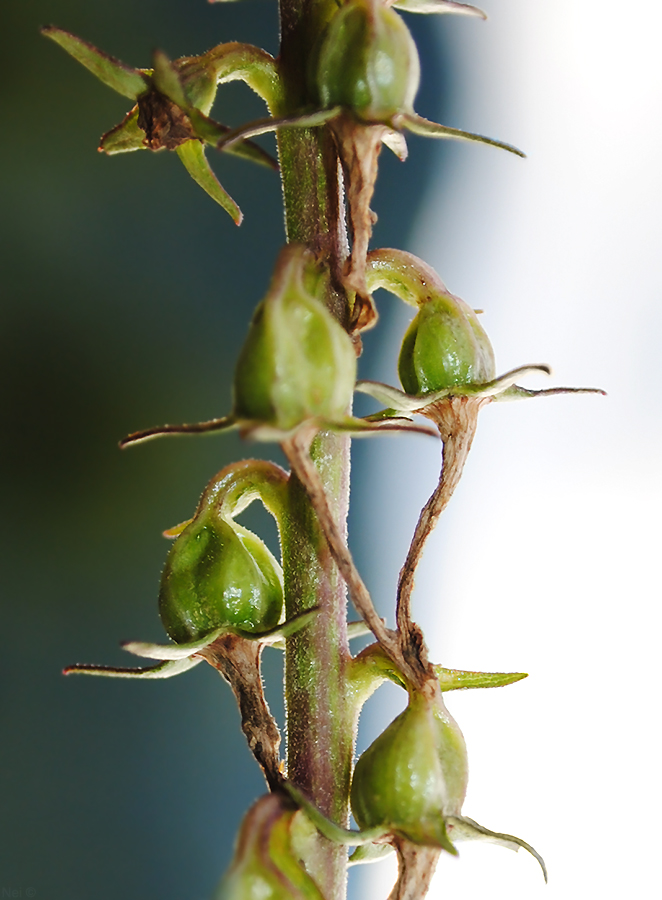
(416,866)
(359,147)
(238,661)
(457,419)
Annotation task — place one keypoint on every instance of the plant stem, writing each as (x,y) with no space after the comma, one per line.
(319,715)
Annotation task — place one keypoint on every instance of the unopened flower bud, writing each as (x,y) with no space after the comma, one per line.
(297,362)
(368,62)
(219,574)
(413,775)
(445,346)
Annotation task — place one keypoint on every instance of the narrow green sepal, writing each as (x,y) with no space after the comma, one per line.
(277,637)
(167,669)
(329,829)
(222,424)
(370,425)
(427,7)
(425,128)
(264,126)
(167,81)
(396,400)
(111,71)
(498,385)
(274,637)
(357,629)
(465,829)
(385,414)
(369,853)
(501,388)
(172,651)
(515,392)
(211,132)
(125,137)
(460,680)
(192,155)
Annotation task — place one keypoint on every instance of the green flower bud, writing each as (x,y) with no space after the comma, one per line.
(445,346)
(298,362)
(265,866)
(219,574)
(368,62)
(413,775)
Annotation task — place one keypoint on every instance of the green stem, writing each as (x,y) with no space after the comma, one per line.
(319,714)
(320,717)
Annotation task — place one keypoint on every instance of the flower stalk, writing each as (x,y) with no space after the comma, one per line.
(343,84)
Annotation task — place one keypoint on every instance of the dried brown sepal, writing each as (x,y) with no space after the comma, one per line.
(165,124)
(359,146)
(416,866)
(238,661)
(457,419)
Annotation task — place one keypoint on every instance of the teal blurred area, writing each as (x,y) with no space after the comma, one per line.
(125,295)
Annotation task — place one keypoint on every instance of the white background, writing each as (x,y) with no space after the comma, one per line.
(548,559)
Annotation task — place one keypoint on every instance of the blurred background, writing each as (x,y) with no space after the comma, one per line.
(125,296)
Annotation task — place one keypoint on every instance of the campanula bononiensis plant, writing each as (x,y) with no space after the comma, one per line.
(344,83)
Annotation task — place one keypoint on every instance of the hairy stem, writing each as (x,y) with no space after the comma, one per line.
(319,715)
(302,464)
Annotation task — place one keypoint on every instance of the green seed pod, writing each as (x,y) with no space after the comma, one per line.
(445,346)
(368,62)
(219,574)
(266,865)
(413,775)
(298,362)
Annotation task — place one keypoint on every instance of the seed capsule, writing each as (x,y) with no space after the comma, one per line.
(413,775)
(298,362)
(445,346)
(368,62)
(219,574)
(266,865)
